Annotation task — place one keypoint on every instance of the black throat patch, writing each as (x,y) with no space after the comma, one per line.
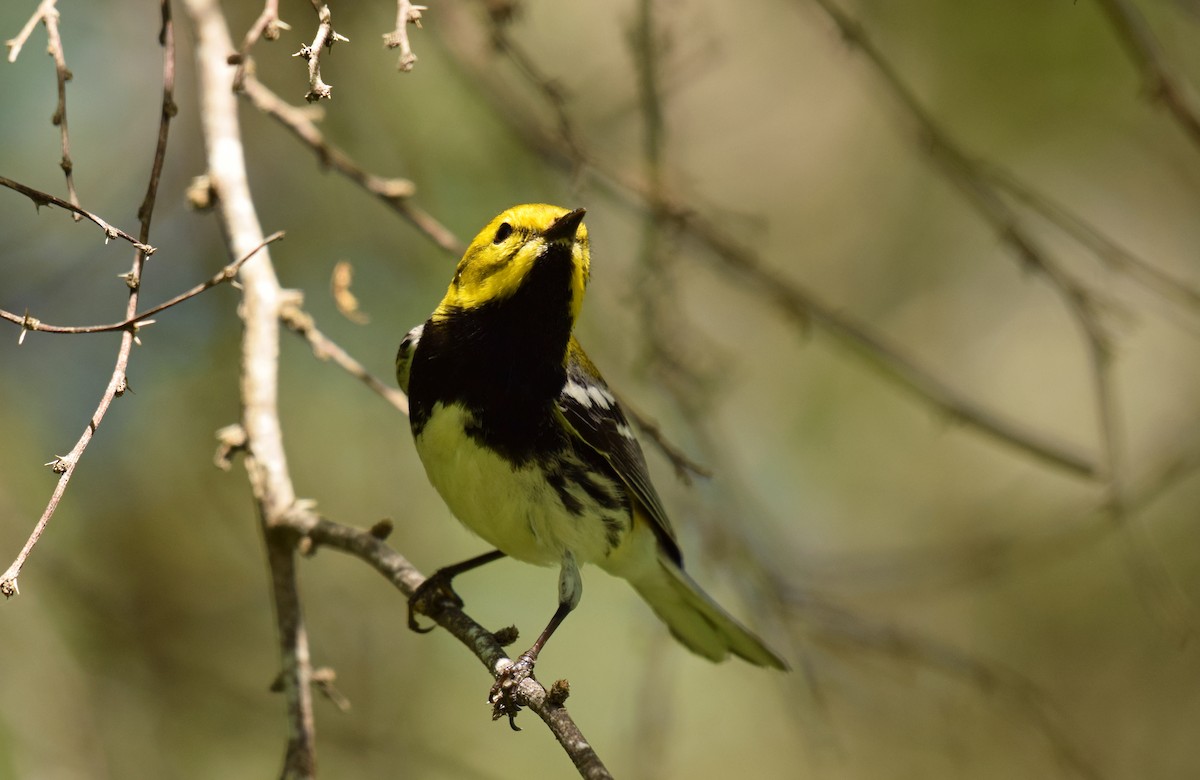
(503,361)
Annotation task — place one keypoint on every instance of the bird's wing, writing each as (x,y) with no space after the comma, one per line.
(591,411)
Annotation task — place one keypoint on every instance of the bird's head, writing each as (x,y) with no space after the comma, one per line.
(500,260)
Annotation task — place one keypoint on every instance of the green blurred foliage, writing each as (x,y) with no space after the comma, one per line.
(142,644)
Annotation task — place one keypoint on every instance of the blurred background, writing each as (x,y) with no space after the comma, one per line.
(952,605)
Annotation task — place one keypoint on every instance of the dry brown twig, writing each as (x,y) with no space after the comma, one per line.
(396,193)
(47,14)
(40,199)
(325,38)
(822,622)
(268,25)
(1084,305)
(547,704)
(406,14)
(65,465)
(1162,84)
(301,323)
(138,321)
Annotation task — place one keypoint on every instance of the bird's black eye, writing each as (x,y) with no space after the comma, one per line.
(504,231)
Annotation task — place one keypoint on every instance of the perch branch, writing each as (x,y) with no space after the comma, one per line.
(369,548)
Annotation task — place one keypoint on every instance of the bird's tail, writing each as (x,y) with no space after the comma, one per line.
(697,621)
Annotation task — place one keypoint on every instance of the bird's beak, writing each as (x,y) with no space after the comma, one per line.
(564,227)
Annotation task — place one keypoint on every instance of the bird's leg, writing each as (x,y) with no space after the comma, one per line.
(436,593)
(570,588)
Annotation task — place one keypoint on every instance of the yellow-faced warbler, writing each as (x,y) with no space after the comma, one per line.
(529,448)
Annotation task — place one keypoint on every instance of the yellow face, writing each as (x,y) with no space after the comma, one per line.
(501,256)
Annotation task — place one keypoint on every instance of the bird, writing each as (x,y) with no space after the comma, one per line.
(530,449)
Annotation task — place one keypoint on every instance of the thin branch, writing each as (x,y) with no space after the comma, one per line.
(1161,83)
(263,299)
(1111,253)
(48,15)
(551,90)
(65,465)
(268,25)
(843,630)
(1082,304)
(937,569)
(226,274)
(406,14)
(745,266)
(395,193)
(369,548)
(326,37)
(40,199)
(301,323)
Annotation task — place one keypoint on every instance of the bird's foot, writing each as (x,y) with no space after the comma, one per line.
(431,597)
(503,696)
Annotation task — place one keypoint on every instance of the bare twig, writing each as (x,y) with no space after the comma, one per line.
(845,631)
(268,25)
(684,465)
(550,89)
(48,15)
(1161,83)
(263,298)
(40,199)
(940,568)
(1112,254)
(406,14)
(393,566)
(1082,304)
(226,274)
(744,265)
(65,465)
(301,323)
(326,37)
(396,193)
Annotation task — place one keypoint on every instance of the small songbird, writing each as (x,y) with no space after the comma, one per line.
(527,445)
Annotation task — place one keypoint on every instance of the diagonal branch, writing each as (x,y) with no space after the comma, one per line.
(299,322)
(744,265)
(548,705)
(40,199)
(1083,306)
(133,323)
(1161,83)
(395,193)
